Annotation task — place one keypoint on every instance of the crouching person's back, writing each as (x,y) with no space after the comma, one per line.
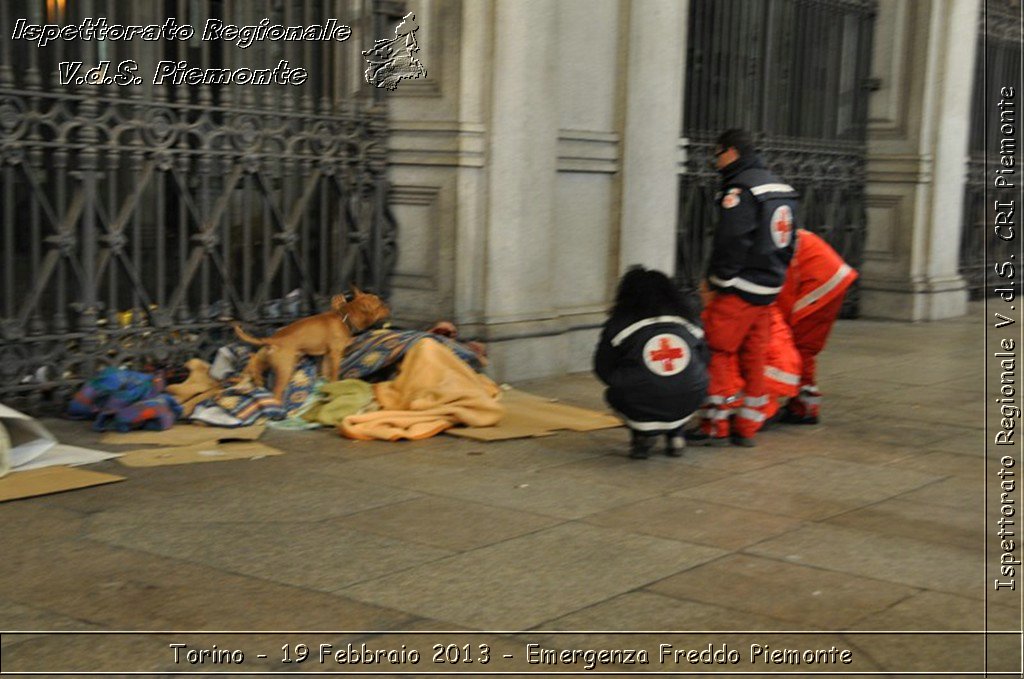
(653,358)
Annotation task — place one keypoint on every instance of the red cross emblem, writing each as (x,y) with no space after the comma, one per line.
(782,226)
(666,355)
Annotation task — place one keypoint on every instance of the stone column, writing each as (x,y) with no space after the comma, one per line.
(917,159)
(522,163)
(653,122)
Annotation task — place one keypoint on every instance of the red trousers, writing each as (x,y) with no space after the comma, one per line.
(738,334)
(810,334)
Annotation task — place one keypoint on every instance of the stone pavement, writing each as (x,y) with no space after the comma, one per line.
(871,521)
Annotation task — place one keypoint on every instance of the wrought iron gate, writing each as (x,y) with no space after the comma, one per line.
(136,220)
(795,73)
(999,53)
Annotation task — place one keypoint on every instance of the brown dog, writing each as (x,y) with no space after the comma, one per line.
(327,334)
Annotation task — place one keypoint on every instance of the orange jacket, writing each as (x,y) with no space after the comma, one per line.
(816,276)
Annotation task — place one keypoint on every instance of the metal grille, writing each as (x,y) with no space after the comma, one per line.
(135,221)
(795,74)
(998,63)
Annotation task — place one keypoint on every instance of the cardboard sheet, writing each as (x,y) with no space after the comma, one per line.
(68,456)
(528,415)
(25,443)
(202,452)
(186,435)
(18,484)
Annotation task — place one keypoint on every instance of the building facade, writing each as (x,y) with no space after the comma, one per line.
(551,145)
(543,154)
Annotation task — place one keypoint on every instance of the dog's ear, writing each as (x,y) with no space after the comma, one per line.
(356,292)
(338,303)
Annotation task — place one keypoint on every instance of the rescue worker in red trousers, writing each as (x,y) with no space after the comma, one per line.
(810,302)
(750,254)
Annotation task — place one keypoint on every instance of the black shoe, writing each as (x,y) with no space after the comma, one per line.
(701,439)
(743,441)
(675,442)
(640,446)
(789,417)
(774,420)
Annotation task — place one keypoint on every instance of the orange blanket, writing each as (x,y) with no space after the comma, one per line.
(434,390)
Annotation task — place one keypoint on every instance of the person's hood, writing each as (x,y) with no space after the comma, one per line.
(742,163)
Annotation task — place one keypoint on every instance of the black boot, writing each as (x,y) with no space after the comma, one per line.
(790,417)
(699,438)
(675,442)
(775,420)
(640,445)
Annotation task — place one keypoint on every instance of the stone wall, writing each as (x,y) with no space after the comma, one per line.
(536,162)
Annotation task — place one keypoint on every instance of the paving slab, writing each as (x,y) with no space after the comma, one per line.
(319,556)
(901,517)
(519,583)
(701,522)
(810,488)
(655,476)
(810,598)
(915,563)
(128,589)
(939,611)
(451,524)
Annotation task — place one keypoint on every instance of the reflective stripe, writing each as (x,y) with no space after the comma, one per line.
(781,376)
(772,188)
(810,388)
(716,400)
(694,330)
(744,284)
(757,402)
(655,426)
(809,400)
(719,414)
(750,414)
(823,289)
(679,320)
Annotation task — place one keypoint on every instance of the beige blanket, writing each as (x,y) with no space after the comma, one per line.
(434,390)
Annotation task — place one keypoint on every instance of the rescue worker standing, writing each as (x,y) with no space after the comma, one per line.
(750,254)
(810,302)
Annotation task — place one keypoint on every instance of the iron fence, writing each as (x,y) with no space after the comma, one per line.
(795,73)
(137,220)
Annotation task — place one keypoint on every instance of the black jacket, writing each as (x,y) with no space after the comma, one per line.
(755,239)
(655,369)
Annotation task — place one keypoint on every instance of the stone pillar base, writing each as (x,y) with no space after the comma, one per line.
(923,300)
(530,349)
(528,358)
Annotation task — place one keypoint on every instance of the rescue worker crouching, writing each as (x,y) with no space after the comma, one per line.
(750,254)
(653,358)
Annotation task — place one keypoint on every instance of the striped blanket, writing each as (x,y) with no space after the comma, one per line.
(373,356)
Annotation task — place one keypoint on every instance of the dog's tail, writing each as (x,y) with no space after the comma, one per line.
(246,337)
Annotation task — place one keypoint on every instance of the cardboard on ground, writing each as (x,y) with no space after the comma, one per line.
(186,435)
(18,485)
(25,443)
(527,415)
(210,451)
